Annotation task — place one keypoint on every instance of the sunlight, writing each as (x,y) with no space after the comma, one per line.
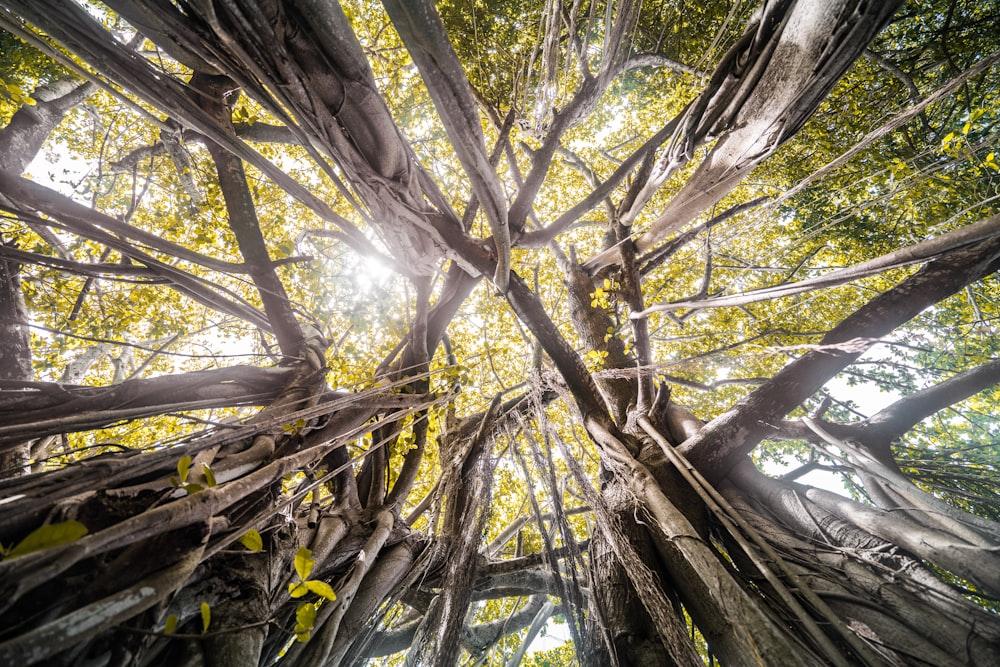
(371,272)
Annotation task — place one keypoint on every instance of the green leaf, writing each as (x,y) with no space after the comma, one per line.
(183,468)
(170,627)
(209,475)
(206,617)
(321,588)
(297,590)
(304,563)
(50,535)
(252,540)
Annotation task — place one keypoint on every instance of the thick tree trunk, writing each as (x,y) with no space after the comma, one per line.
(617,614)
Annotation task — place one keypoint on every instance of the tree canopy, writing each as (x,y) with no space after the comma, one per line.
(462,332)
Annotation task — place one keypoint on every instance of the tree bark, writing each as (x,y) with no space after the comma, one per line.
(15,357)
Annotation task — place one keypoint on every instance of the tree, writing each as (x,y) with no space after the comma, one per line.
(389,332)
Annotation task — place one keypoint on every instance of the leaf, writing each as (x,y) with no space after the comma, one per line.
(50,535)
(206,617)
(183,468)
(321,588)
(170,627)
(304,563)
(297,590)
(305,619)
(305,616)
(209,475)
(252,540)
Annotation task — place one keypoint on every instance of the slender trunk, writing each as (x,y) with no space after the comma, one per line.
(20,141)
(15,355)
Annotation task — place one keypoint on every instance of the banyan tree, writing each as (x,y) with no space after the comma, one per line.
(462,332)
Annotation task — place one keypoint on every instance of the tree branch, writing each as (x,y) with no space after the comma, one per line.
(36,409)
(733,434)
(881,429)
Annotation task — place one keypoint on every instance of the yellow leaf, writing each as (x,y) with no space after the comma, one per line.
(49,535)
(209,475)
(183,468)
(305,616)
(321,588)
(304,563)
(297,590)
(252,540)
(206,617)
(170,627)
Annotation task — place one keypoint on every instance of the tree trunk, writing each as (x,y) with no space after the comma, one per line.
(15,355)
